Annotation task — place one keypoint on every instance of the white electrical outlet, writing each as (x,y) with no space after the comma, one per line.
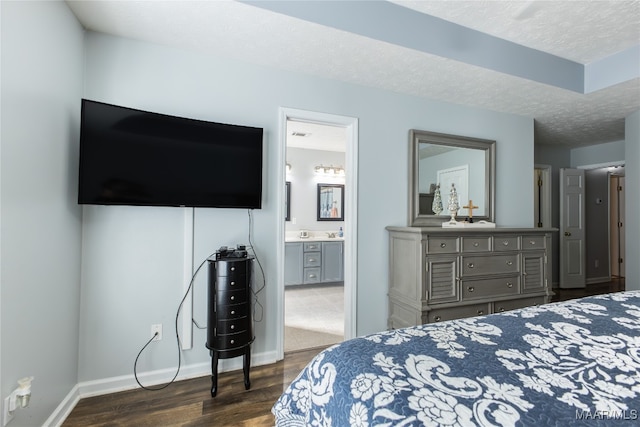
(6,415)
(156,329)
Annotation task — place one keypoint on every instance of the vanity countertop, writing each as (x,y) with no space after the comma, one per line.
(295,239)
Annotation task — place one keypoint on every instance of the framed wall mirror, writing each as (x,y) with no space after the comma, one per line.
(330,202)
(438,160)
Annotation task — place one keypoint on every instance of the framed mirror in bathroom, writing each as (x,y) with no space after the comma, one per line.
(330,202)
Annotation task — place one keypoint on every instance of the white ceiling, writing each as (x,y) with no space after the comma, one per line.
(580,31)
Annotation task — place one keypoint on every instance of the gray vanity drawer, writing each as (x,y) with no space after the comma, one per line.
(311,275)
(506,243)
(312,246)
(490,288)
(533,242)
(476,244)
(312,259)
(443,314)
(443,245)
(495,264)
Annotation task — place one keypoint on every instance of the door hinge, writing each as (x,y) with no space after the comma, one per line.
(620,188)
(621,260)
(620,224)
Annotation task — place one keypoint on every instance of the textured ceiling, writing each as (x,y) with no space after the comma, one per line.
(580,31)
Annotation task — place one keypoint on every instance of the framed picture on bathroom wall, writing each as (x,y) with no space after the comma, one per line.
(287,201)
(330,202)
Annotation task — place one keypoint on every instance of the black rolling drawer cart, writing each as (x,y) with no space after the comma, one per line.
(230,322)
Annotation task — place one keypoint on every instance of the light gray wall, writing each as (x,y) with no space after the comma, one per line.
(304,187)
(608,152)
(42,54)
(632,201)
(132,258)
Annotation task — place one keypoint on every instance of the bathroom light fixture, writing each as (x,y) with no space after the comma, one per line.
(329,170)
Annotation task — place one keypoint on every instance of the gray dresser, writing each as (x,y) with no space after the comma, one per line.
(438,274)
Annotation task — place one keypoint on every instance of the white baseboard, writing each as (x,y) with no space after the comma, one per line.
(150,378)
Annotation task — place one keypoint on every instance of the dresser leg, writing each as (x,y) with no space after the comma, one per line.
(214,373)
(246,366)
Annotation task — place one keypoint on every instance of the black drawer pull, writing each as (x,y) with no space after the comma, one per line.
(509,285)
(480,312)
(501,309)
(470,265)
(437,318)
(471,288)
(443,245)
(509,262)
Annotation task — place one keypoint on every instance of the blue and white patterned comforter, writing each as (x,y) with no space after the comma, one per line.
(570,363)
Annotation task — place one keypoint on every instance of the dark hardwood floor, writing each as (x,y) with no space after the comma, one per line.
(189,403)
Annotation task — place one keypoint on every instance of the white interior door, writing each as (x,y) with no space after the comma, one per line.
(572,229)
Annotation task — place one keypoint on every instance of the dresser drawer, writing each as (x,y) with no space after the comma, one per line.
(490,288)
(452,313)
(232,268)
(233,326)
(312,259)
(500,306)
(311,275)
(495,264)
(443,245)
(476,244)
(530,243)
(232,311)
(505,243)
(231,297)
(312,246)
(231,341)
(231,283)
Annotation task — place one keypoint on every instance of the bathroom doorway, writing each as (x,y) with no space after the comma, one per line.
(318,275)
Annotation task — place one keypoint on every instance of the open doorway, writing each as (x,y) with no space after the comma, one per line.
(617,221)
(317,251)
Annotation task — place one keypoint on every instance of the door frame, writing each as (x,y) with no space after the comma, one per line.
(350,220)
(545,197)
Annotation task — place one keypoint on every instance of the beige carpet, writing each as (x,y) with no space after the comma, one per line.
(314,316)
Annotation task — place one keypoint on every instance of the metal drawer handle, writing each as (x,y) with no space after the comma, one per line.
(233,341)
(509,262)
(437,318)
(505,243)
(476,244)
(232,297)
(443,244)
(509,285)
(233,269)
(501,309)
(312,276)
(471,289)
(480,312)
(233,312)
(233,327)
(312,260)
(532,242)
(470,265)
(233,283)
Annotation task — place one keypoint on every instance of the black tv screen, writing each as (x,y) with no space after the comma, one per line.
(134,157)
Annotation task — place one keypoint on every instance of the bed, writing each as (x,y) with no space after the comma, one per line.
(570,363)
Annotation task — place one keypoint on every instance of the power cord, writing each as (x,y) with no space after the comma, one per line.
(135,364)
(264,279)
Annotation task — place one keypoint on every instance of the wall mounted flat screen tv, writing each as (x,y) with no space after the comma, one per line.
(140,158)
